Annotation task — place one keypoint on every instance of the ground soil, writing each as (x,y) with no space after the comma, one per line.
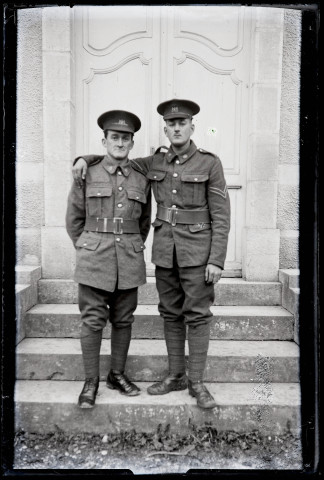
(159,452)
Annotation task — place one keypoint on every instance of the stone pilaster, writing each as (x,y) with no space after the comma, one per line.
(29,160)
(261,238)
(59,135)
(288,191)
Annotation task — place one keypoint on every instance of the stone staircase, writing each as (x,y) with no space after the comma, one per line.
(252,367)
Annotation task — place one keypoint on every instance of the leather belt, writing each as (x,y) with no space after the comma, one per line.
(189,217)
(115,225)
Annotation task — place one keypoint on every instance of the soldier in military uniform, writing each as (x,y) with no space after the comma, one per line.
(190,243)
(108,220)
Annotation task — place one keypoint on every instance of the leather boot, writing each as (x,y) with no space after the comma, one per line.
(118,381)
(88,395)
(172,382)
(201,393)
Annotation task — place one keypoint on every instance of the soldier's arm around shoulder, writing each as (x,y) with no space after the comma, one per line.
(145,218)
(76,212)
(81,164)
(220,212)
(144,164)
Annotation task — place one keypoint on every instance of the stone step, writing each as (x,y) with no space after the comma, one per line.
(229,291)
(228,323)
(46,406)
(228,360)
(27,274)
(26,297)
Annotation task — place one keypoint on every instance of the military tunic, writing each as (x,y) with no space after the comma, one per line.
(106,260)
(195,181)
(192,181)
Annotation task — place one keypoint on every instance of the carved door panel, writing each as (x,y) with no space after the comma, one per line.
(133,58)
(207,59)
(117,67)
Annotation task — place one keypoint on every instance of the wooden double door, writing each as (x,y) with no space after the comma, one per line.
(134,57)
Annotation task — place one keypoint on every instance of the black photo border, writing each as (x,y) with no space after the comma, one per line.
(309,258)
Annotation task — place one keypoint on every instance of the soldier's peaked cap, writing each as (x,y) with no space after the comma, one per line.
(120,121)
(177,108)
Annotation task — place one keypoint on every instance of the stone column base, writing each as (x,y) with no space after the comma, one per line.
(58,255)
(260,254)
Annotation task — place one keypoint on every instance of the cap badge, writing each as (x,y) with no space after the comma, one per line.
(174,109)
(122,122)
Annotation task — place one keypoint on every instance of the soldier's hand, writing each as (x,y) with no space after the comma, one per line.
(213,273)
(79,171)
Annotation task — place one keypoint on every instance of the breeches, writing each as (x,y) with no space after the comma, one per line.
(185,299)
(184,294)
(94,303)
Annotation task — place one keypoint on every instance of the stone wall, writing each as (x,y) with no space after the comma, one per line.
(30,159)
(261,235)
(45,138)
(288,191)
(58,255)
(45,142)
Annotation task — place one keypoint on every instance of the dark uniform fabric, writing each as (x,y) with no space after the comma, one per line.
(184,294)
(106,260)
(192,181)
(185,299)
(93,304)
(109,266)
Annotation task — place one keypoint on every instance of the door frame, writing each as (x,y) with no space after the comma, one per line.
(261,238)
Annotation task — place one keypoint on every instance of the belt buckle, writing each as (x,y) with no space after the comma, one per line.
(117,227)
(172,212)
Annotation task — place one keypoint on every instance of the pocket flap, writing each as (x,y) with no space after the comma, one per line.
(198,227)
(97,191)
(88,241)
(156,175)
(138,246)
(195,178)
(136,195)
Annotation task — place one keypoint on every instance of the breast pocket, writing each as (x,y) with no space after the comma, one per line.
(98,199)
(194,189)
(136,199)
(157,178)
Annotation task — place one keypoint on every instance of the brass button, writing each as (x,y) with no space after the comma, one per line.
(119,172)
(117,239)
(85,244)
(177,162)
(196,179)
(120,188)
(98,193)
(154,176)
(174,191)
(174,206)
(119,205)
(175,174)
(185,156)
